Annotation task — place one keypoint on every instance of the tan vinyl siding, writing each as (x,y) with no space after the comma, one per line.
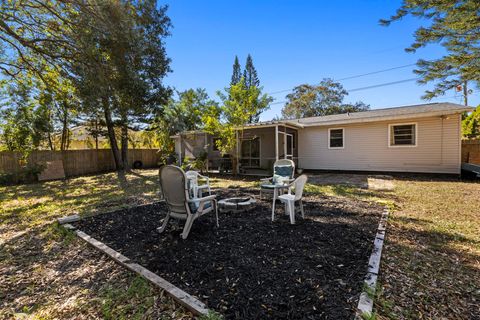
(366,147)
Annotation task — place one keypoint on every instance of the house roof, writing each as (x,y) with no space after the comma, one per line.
(272,123)
(394,113)
(404,112)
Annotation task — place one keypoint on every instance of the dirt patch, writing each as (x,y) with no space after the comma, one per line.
(364,181)
(249,267)
(49,274)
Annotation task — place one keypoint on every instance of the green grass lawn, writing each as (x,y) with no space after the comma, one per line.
(431,263)
(47,273)
(429,269)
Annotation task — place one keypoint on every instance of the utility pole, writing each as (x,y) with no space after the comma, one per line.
(465,94)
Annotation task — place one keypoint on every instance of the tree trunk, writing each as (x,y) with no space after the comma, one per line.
(124,142)
(50,142)
(63,143)
(64,140)
(111,135)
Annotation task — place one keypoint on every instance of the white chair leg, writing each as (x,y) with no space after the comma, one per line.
(287,208)
(216,210)
(273,204)
(164,224)
(273,211)
(291,204)
(187,227)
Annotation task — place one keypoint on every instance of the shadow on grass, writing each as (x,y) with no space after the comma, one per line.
(33,204)
(428,274)
(49,273)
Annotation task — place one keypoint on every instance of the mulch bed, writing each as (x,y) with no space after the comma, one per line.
(249,267)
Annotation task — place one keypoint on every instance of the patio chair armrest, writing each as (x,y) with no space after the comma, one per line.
(266,179)
(204,177)
(204,199)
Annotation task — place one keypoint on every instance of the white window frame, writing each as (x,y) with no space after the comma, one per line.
(389,142)
(259,150)
(343,139)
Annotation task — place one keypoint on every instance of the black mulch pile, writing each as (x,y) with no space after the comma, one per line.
(249,267)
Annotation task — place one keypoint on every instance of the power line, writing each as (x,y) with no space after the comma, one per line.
(368,87)
(383,84)
(416,101)
(375,72)
(357,76)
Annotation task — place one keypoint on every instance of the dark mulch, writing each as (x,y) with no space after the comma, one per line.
(249,267)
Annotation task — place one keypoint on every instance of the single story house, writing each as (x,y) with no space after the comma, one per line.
(422,138)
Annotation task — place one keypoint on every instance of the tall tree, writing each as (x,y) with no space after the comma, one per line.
(455,25)
(35,33)
(113,51)
(237,72)
(251,80)
(122,64)
(250,73)
(239,104)
(323,99)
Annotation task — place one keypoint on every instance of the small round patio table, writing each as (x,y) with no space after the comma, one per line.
(276,190)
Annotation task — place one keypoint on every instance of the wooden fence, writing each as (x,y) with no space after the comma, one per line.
(77,162)
(471,151)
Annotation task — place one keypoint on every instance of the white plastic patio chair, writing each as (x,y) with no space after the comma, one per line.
(197,189)
(290,199)
(181,205)
(283,172)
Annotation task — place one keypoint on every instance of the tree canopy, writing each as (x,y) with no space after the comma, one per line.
(239,104)
(109,55)
(455,25)
(250,78)
(323,99)
(250,73)
(237,72)
(471,125)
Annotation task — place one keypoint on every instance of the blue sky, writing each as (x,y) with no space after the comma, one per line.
(295,42)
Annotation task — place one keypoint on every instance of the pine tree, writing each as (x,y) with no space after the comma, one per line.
(237,74)
(251,80)
(250,74)
(454,25)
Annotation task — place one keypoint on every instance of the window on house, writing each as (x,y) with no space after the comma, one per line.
(403,135)
(250,152)
(214,144)
(335,137)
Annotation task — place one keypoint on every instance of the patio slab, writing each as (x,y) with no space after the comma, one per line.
(249,267)
(364,181)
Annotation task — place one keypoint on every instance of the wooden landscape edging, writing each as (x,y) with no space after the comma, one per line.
(188,301)
(365,302)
